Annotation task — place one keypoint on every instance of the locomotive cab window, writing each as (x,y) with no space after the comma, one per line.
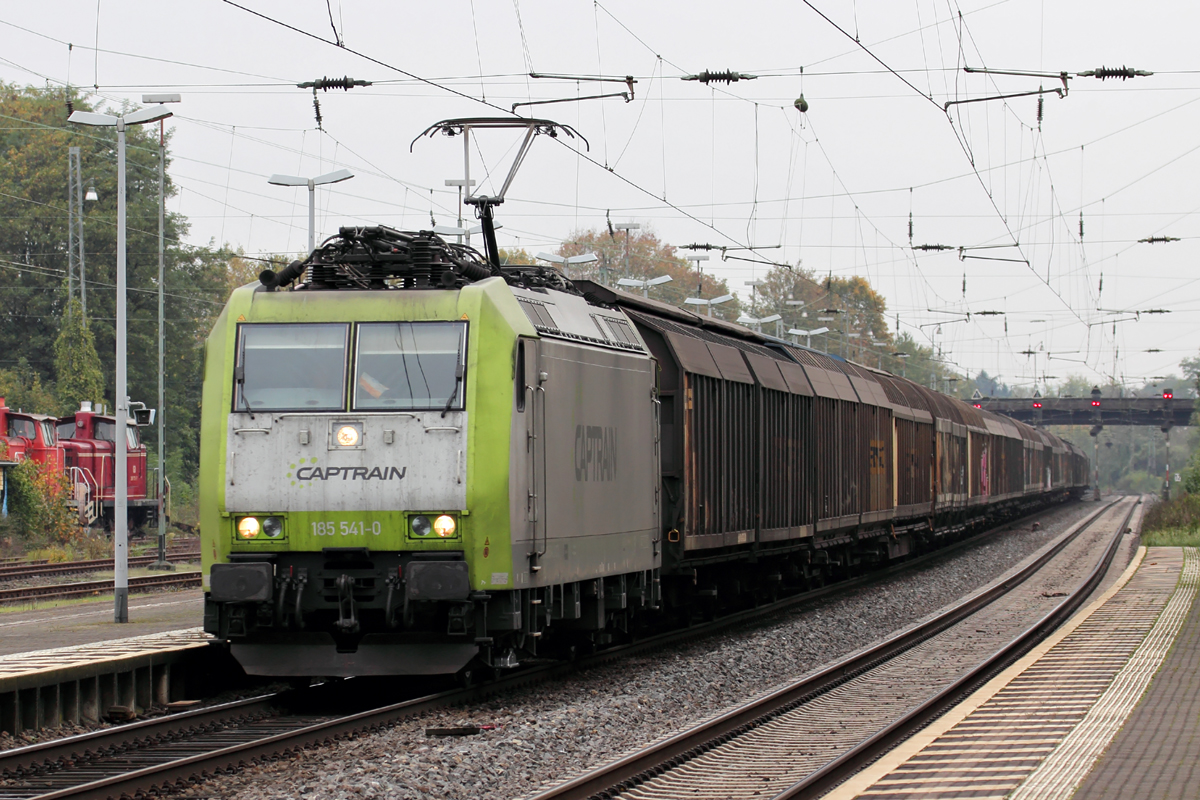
(48,433)
(22,427)
(412,366)
(66,430)
(105,431)
(286,367)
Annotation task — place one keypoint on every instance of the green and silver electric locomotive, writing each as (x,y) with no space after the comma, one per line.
(414,462)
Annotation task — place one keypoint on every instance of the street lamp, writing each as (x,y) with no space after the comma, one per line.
(569,261)
(312,184)
(746,319)
(698,257)
(645,285)
(627,227)
(807,334)
(696,301)
(754,284)
(161,563)
(121,505)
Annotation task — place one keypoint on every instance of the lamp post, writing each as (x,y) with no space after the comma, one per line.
(696,301)
(746,319)
(312,184)
(644,285)
(569,261)
(121,504)
(754,284)
(627,227)
(161,563)
(807,334)
(698,257)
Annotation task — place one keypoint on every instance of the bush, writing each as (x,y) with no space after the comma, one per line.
(1181,513)
(39,502)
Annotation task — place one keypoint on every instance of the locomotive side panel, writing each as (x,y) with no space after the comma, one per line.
(590,424)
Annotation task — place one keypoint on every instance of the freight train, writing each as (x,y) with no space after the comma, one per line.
(417,461)
(83,445)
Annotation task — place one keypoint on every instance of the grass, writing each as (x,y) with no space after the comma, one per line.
(1174,523)
(1172,537)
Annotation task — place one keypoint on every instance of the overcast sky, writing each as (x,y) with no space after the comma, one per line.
(733,165)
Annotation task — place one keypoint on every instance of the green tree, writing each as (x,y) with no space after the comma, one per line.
(33,258)
(644,256)
(22,388)
(76,361)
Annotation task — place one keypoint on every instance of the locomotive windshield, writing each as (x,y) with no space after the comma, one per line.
(21,427)
(290,368)
(410,365)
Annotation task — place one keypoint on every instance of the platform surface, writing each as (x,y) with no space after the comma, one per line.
(1157,752)
(1107,707)
(89,623)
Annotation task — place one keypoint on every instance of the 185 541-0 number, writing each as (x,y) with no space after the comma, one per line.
(344,528)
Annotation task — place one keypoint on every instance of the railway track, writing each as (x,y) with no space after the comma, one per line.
(39,568)
(801,740)
(62,591)
(174,750)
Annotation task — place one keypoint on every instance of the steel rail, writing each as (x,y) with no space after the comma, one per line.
(631,770)
(59,591)
(101,743)
(30,570)
(851,761)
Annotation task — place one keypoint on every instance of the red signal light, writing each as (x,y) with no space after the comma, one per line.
(977,405)
(1037,403)
(1167,395)
(1095,404)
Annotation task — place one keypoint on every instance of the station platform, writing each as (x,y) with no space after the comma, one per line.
(73,664)
(1106,707)
(76,623)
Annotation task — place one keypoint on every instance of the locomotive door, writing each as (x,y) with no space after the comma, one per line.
(535,447)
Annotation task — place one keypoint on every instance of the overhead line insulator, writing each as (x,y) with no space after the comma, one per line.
(724,76)
(1104,73)
(325,84)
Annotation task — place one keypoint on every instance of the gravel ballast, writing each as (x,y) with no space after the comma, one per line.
(549,732)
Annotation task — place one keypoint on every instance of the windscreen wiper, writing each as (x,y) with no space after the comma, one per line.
(458,376)
(239,377)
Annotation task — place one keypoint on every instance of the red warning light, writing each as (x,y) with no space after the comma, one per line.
(1167,395)
(1095,404)
(1037,403)
(977,405)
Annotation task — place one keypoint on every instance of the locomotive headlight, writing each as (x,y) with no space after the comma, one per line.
(272,527)
(421,526)
(444,526)
(347,436)
(249,527)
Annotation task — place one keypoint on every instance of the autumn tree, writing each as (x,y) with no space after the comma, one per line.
(641,256)
(516,256)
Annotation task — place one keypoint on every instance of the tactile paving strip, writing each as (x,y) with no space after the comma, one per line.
(1060,774)
(78,655)
(1075,685)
